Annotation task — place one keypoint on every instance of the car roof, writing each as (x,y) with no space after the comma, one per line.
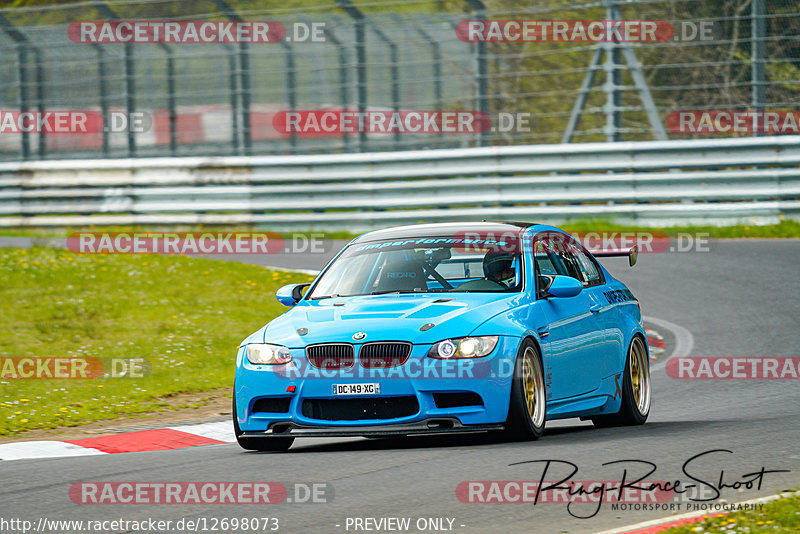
(442,229)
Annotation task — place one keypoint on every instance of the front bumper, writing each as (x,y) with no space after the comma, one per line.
(427,426)
(422,379)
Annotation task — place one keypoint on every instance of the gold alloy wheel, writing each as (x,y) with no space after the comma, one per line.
(534,387)
(640,376)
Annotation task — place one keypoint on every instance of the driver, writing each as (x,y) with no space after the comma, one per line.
(499,267)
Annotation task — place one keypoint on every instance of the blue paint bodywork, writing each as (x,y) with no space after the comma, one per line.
(583,341)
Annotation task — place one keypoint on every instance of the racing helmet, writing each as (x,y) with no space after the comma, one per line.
(496,263)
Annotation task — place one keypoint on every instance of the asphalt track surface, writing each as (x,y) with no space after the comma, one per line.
(740,299)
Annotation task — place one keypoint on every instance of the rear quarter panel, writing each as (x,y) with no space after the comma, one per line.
(624,317)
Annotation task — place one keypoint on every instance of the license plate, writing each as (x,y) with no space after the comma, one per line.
(356,389)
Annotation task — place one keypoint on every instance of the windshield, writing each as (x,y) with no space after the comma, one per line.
(423,265)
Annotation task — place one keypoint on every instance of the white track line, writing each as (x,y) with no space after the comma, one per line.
(220,430)
(684,341)
(24,450)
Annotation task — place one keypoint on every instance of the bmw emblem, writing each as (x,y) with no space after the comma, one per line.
(358,336)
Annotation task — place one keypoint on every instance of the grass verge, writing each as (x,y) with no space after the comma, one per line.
(184,316)
(781,516)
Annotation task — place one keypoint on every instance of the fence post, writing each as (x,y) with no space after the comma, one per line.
(244,77)
(171,103)
(234,92)
(291,90)
(101,74)
(40,99)
(483,71)
(130,97)
(612,65)
(361,65)
(757,52)
(22,45)
(343,79)
(171,100)
(130,81)
(22,58)
(394,75)
(437,66)
(613,102)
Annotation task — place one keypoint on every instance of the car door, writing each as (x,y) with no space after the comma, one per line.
(594,285)
(574,333)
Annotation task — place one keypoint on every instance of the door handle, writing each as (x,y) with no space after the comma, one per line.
(595,307)
(543,331)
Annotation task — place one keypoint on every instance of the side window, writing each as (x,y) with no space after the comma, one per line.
(580,265)
(590,271)
(571,264)
(546,263)
(553,254)
(541,256)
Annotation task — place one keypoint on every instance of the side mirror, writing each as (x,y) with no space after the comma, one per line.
(291,294)
(633,255)
(564,287)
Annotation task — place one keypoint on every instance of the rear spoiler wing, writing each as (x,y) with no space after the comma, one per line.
(633,254)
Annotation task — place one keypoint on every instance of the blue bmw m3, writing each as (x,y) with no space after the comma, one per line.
(443,328)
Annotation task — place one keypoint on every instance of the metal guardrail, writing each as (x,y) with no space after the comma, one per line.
(650,183)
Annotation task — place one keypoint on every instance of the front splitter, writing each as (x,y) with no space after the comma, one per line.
(432,426)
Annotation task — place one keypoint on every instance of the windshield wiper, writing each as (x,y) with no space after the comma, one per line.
(385,292)
(398,291)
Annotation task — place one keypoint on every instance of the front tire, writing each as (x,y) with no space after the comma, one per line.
(258,444)
(527,409)
(635,405)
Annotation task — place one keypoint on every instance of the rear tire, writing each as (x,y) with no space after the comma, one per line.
(258,444)
(635,405)
(527,409)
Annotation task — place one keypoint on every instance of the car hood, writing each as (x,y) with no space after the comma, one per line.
(384,318)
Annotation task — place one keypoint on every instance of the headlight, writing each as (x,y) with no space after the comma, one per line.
(463,347)
(268,354)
